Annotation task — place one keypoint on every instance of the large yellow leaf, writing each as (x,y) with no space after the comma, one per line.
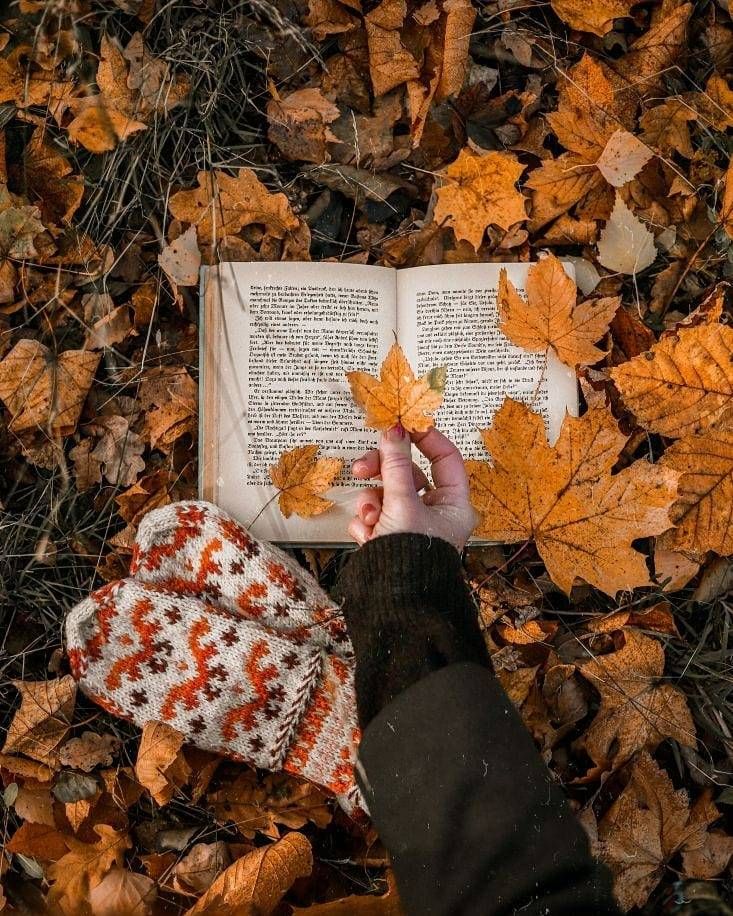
(258,881)
(301,477)
(683,384)
(397,396)
(639,709)
(549,317)
(480,191)
(83,868)
(582,517)
(702,512)
(45,391)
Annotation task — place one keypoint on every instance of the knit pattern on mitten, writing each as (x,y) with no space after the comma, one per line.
(228,640)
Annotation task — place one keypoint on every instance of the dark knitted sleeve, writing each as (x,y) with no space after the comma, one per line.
(409,613)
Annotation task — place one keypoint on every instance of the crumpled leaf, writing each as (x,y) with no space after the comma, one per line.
(625,245)
(684,384)
(50,181)
(623,157)
(160,766)
(549,317)
(648,823)
(43,390)
(390,63)
(257,805)
(202,864)
(479,191)
(594,17)
(639,709)
(123,893)
(41,722)
(118,451)
(298,125)
(702,512)
(89,750)
(83,868)
(582,517)
(301,477)
(257,882)
(397,396)
(170,397)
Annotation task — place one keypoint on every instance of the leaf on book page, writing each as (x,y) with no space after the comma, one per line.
(549,317)
(301,477)
(623,157)
(397,396)
(582,517)
(480,191)
(626,245)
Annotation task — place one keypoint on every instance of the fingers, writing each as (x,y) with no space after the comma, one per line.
(359,531)
(369,506)
(395,461)
(446,462)
(367,466)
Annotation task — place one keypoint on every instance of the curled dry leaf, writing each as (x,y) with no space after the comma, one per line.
(480,191)
(298,125)
(397,396)
(258,881)
(118,452)
(198,869)
(43,390)
(549,317)
(582,517)
(160,766)
(638,708)
(684,384)
(42,721)
(390,63)
(123,893)
(648,824)
(625,245)
(301,477)
(76,874)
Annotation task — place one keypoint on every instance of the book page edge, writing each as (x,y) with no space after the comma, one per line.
(208,386)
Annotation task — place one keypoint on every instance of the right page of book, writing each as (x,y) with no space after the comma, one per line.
(447,315)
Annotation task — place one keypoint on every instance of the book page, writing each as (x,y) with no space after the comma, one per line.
(448,316)
(287,333)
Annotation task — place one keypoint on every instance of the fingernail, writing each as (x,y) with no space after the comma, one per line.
(396,433)
(358,465)
(367,510)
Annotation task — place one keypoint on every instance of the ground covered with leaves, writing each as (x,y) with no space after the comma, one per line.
(139,140)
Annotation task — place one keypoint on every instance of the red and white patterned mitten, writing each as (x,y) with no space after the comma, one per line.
(228,640)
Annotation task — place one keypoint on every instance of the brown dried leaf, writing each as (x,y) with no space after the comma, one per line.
(684,384)
(123,893)
(181,260)
(118,451)
(390,63)
(77,873)
(89,750)
(43,390)
(479,191)
(301,477)
(42,721)
(582,517)
(639,709)
(397,396)
(198,869)
(623,157)
(549,317)
(258,881)
(298,125)
(160,766)
(592,17)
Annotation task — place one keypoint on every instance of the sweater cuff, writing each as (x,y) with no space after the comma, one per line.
(409,613)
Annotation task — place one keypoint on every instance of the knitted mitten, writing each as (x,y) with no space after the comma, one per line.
(228,640)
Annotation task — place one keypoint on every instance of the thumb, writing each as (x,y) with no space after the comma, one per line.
(395,459)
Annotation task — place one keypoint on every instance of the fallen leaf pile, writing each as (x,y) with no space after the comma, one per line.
(140,141)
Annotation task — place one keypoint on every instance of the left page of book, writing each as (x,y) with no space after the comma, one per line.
(277,341)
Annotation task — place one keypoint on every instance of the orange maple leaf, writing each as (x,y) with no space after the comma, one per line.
(301,477)
(397,396)
(582,517)
(480,191)
(549,317)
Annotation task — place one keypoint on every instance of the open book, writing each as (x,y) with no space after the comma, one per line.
(277,341)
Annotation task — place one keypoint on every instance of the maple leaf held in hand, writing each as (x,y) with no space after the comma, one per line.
(397,396)
(549,317)
(301,477)
(582,517)
(479,191)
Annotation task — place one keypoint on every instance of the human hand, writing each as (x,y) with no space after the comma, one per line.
(444,511)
